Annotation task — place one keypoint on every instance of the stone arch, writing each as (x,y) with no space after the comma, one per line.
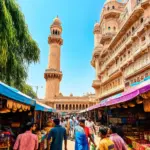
(77,107)
(59,106)
(83,106)
(86,106)
(80,107)
(73,107)
(70,107)
(63,107)
(66,107)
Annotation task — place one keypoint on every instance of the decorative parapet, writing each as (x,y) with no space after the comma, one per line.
(52,73)
(55,39)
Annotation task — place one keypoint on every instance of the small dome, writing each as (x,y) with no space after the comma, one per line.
(57,21)
(107,1)
(96,25)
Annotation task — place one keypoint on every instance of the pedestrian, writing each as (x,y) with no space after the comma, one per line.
(67,126)
(27,140)
(91,126)
(105,142)
(63,122)
(119,143)
(57,135)
(81,136)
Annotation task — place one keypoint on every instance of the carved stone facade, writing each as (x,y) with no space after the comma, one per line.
(53,76)
(121,53)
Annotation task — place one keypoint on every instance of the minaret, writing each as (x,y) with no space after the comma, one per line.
(53,75)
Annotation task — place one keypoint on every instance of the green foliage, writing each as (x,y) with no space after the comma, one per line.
(27,89)
(17,48)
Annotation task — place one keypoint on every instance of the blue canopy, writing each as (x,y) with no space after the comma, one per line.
(42,107)
(15,94)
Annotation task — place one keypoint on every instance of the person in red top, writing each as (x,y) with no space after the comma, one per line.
(27,140)
(87,131)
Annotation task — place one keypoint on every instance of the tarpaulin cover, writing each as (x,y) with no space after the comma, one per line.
(42,107)
(15,94)
(124,96)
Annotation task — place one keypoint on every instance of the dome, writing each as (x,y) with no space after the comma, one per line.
(96,25)
(96,28)
(107,1)
(57,21)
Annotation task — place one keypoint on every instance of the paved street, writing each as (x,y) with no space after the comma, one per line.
(71,144)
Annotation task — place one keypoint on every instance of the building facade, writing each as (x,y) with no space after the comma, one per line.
(121,53)
(53,76)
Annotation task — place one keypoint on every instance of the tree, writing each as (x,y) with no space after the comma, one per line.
(27,89)
(17,48)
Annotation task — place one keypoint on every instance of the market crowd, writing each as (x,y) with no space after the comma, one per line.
(80,130)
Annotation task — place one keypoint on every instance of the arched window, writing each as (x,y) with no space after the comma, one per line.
(133,29)
(109,28)
(70,107)
(113,7)
(83,106)
(142,20)
(77,107)
(56,32)
(73,107)
(114,28)
(80,107)
(62,107)
(66,107)
(59,107)
(86,106)
(108,8)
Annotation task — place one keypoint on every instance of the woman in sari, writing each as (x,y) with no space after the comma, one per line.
(81,136)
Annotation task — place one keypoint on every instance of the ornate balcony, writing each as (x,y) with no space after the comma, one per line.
(107,36)
(96,84)
(112,91)
(113,13)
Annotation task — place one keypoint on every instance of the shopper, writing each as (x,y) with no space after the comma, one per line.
(57,135)
(81,136)
(91,126)
(119,143)
(27,140)
(105,142)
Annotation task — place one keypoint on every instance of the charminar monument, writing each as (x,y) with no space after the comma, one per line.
(53,76)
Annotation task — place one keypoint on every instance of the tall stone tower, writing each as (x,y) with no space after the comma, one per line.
(53,75)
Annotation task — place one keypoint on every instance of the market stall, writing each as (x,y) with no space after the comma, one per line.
(130,110)
(42,114)
(13,105)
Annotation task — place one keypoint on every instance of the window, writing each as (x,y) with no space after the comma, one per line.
(109,28)
(143,38)
(114,28)
(142,20)
(108,8)
(113,7)
(133,29)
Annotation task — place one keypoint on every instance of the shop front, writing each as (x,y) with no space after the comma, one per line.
(130,112)
(16,109)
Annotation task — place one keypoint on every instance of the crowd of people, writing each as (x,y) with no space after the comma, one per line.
(80,130)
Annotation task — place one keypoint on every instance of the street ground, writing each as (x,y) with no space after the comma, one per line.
(71,144)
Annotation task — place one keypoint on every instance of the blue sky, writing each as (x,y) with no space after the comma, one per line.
(78,18)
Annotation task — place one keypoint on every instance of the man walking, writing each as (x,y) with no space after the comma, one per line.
(27,140)
(81,136)
(57,134)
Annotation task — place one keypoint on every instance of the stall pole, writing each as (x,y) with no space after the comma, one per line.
(40,120)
